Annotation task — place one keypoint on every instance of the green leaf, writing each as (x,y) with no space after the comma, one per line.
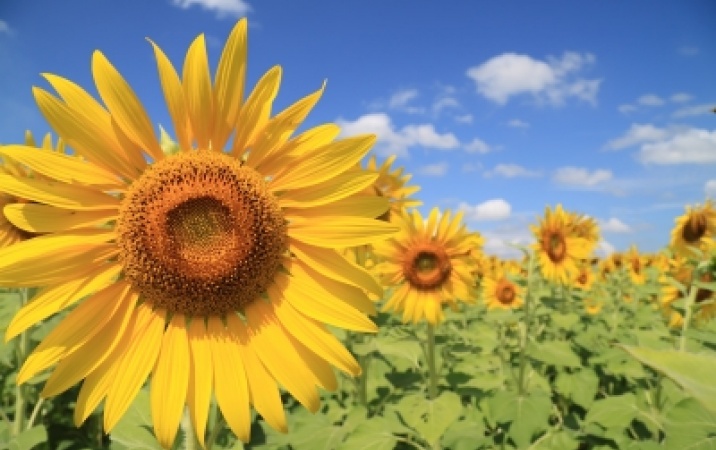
(134,429)
(565,321)
(430,418)
(613,412)
(527,414)
(371,434)
(407,349)
(466,434)
(28,439)
(693,372)
(690,426)
(554,353)
(579,387)
(557,440)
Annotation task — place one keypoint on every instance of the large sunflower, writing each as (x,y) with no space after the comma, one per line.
(695,230)
(427,264)
(212,271)
(559,247)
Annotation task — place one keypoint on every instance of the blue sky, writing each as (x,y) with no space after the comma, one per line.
(496,107)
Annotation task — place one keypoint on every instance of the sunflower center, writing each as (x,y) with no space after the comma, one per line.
(555,245)
(427,266)
(695,228)
(505,292)
(200,234)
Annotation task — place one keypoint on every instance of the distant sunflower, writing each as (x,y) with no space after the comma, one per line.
(428,264)
(636,265)
(9,232)
(586,228)
(593,306)
(583,278)
(501,291)
(218,269)
(392,183)
(696,229)
(558,246)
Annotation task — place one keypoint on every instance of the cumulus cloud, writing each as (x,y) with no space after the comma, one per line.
(397,141)
(434,170)
(710,189)
(691,146)
(402,97)
(552,81)
(694,110)
(638,134)
(581,177)
(234,8)
(680,97)
(496,209)
(614,225)
(445,102)
(626,108)
(517,123)
(5,28)
(478,146)
(512,171)
(650,100)
(465,118)
(604,249)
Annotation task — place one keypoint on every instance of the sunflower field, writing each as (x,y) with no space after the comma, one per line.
(232,285)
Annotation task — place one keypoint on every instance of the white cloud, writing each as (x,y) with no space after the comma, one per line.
(445,102)
(517,123)
(650,100)
(695,110)
(638,134)
(604,249)
(434,170)
(691,146)
(581,177)
(402,98)
(471,167)
(5,28)
(496,209)
(393,141)
(680,97)
(512,171)
(551,81)
(478,146)
(689,50)
(710,189)
(465,118)
(235,8)
(614,225)
(626,108)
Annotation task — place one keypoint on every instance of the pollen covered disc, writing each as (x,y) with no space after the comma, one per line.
(200,234)
(427,266)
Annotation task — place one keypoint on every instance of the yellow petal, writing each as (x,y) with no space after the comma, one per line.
(53,258)
(201,377)
(314,335)
(266,336)
(256,111)
(279,129)
(311,139)
(340,232)
(198,93)
(356,205)
(263,389)
(54,298)
(328,262)
(230,384)
(80,326)
(174,97)
(77,365)
(68,169)
(58,194)
(229,83)
(323,163)
(137,361)
(38,218)
(86,109)
(169,381)
(330,191)
(124,105)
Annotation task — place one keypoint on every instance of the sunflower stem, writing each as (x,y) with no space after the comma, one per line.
(20,400)
(689,307)
(432,369)
(364,361)
(188,430)
(526,328)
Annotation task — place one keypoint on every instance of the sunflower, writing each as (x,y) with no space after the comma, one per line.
(558,246)
(695,230)
(9,232)
(584,227)
(217,268)
(393,185)
(636,265)
(499,289)
(583,278)
(592,306)
(682,271)
(427,264)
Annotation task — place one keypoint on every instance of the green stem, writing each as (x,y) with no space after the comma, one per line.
(689,306)
(525,328)
(20,400)
(364,361)
(432,369)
